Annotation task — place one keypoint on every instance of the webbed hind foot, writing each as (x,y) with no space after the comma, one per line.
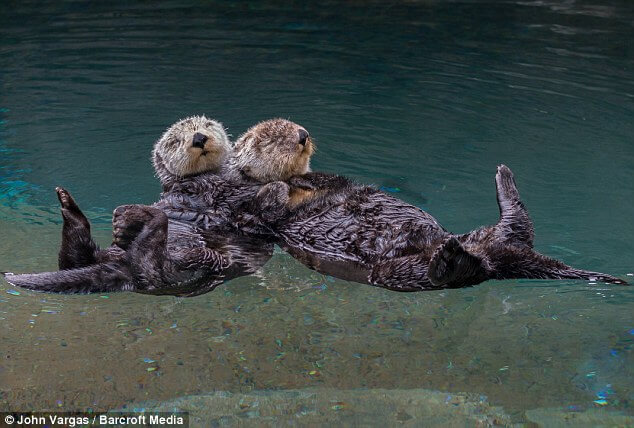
(77,248)
(70,211)
(453,266)
(515,226)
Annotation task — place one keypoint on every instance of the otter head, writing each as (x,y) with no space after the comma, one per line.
(273,150)
(188,147)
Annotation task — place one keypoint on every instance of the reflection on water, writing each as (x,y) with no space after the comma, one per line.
(421,98)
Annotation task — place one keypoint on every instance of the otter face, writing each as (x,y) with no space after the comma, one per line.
(272,150)
(191,146)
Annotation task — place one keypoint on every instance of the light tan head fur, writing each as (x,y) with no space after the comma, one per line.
(190,146)
(273,150)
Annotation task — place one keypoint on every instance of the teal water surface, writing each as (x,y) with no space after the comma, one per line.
(423,99)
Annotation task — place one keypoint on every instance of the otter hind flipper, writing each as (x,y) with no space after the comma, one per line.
(515,225)
(103,277)
(453,266)
(78,248)
(510,262)
(70,210)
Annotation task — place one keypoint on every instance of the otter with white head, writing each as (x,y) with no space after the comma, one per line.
(151,254)
(189,147)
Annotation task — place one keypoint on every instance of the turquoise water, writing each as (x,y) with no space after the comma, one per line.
(421,98)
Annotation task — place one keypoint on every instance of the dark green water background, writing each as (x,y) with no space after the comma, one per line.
(423,98)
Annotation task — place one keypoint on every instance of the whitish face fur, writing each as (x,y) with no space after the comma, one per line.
(273,150)
(191,146)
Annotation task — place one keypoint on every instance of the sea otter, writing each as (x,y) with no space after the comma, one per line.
(150,253)
(358,233)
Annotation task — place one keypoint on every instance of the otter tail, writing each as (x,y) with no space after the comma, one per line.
(515,262)
(104,277)
(515,226)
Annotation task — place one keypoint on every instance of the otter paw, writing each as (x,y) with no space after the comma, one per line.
(302,182)
(128,222)
(441,265)
(274,194)
(272,200)
(452,265)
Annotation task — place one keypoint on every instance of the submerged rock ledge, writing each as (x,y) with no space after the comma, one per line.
(359,407)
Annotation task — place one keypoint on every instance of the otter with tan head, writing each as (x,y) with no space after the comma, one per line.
(358,233)
(273,150)
(150,253)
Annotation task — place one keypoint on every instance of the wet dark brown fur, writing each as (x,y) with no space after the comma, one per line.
(186,243)
(342,228)
(151,253)
(357,232)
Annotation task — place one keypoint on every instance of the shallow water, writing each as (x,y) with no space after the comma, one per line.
(421,98)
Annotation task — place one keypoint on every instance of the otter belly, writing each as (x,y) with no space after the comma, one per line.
(361,231)
(347,270)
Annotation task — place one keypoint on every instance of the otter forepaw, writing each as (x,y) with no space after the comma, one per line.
(272,201)
(273,195)
(302,182)
(451,265)
(128,222)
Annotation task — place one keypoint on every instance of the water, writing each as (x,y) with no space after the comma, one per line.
(421,98)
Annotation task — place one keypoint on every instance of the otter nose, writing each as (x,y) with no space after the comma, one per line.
(199,140)
(303,135)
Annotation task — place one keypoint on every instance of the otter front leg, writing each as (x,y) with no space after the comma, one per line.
(451,266)
(267,207)
(318,181)
(408,273)
(78,248)
(271,202)
(151,264)
(128,221)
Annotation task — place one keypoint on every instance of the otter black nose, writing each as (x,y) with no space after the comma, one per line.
(303,135)
(199,140)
